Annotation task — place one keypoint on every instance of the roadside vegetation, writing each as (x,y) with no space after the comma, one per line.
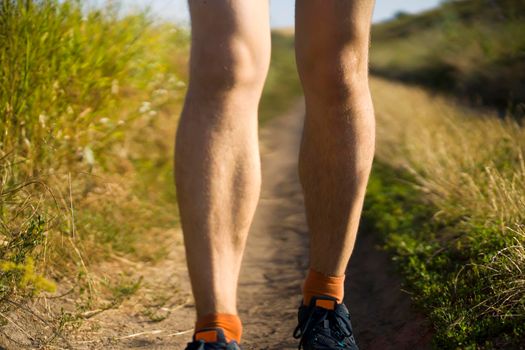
(447,195)
(88,106)
(474,49)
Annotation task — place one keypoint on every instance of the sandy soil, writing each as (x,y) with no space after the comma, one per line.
(160,314)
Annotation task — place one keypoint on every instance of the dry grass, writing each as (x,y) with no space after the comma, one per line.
(507,280)
(89,102)
(471,159)
(469,167)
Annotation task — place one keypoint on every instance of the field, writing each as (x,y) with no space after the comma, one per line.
(447,192)
(447,195)
(88,108)
(474,49)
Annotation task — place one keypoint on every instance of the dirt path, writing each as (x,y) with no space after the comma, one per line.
(274,266)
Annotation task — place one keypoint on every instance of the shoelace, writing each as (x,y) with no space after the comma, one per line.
(343,324)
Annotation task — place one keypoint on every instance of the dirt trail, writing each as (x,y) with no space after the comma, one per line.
(274,266)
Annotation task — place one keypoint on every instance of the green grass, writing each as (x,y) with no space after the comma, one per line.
(449,265)
(447,195)
(447,191)
(60,74)
(88,106)
(472,48)
(89,101)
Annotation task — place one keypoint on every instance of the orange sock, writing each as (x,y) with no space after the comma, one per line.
(318,284)
(230,324)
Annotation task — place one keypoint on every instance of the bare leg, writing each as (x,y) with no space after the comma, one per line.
(217,160)
(332,38)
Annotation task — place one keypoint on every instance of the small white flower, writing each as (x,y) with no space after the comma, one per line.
(104,120)
(88,155)
(42,118)
(172,79)
(160,92)
(145,107)
(114,87)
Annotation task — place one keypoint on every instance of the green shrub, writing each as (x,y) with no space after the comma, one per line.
(83,94)
(60,73)
(466,275)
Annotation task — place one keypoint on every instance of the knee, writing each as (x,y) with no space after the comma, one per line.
(335,74)
(228,67)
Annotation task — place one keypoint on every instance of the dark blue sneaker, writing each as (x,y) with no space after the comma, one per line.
(211,339)
(324,325)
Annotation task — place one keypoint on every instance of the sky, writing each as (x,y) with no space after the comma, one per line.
(282,11)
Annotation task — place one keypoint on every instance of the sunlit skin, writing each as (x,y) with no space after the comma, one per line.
(217,157)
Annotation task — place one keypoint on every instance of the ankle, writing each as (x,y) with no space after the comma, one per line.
(319,284)
(230,324)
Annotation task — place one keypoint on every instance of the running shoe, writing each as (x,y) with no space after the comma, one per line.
(211,339)
(324,325)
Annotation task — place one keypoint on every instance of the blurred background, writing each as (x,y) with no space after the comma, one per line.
(91,253)
(458,45)
(282,11)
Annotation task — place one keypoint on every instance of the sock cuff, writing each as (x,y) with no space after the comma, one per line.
(319,284)
(229,323)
